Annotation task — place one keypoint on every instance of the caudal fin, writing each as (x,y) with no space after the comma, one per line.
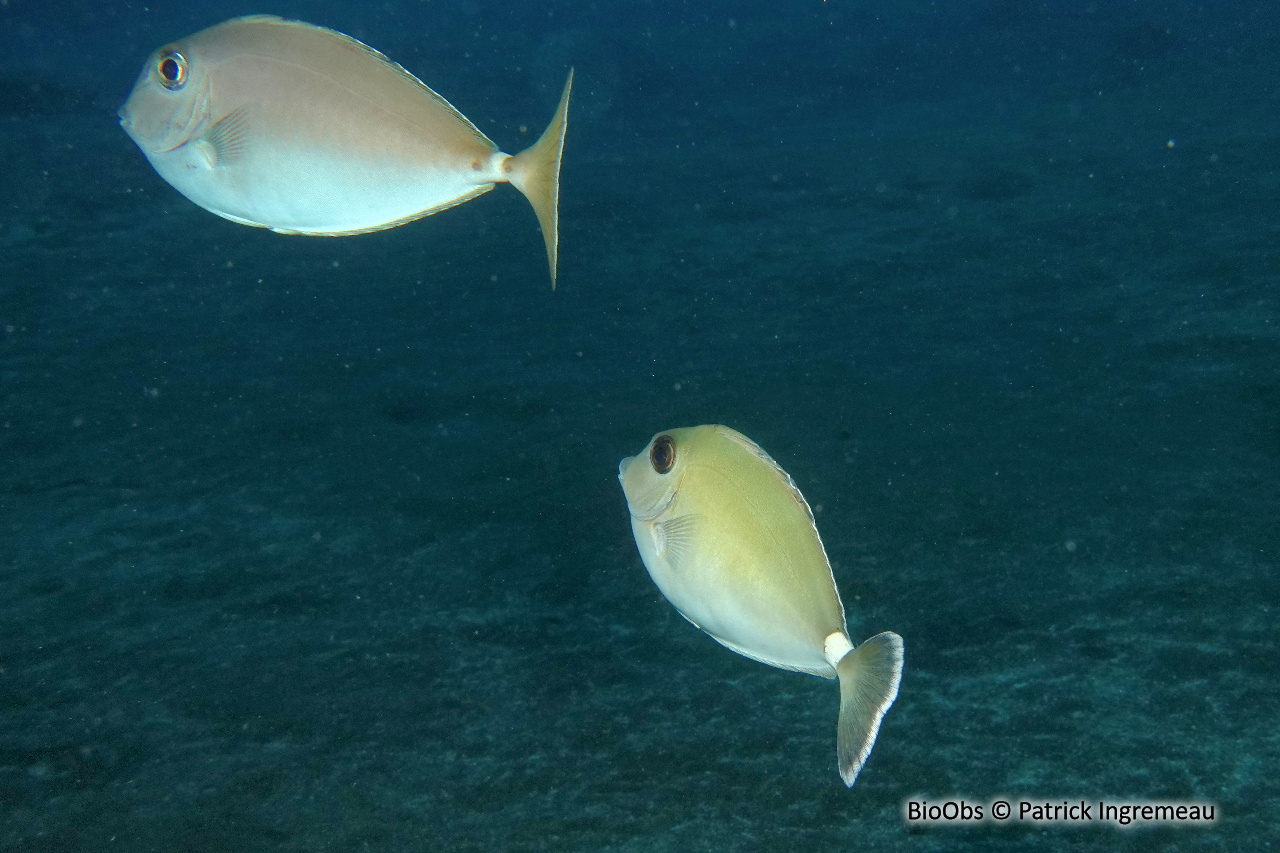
(535,171)
(869,678)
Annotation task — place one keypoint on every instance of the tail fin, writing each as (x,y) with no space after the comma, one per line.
(869,677)
(535,171)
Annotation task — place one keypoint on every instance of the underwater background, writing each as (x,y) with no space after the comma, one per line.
(317,544)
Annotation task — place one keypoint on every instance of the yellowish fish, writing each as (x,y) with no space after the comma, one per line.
(303,130)
(731,542)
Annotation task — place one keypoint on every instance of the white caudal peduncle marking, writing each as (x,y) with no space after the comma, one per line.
(836,646)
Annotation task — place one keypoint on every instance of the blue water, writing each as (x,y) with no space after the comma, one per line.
(317,544)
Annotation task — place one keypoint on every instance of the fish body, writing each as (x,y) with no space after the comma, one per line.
(729,540)
(303,130)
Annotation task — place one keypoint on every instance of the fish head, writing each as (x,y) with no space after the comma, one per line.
(169,105)
(651,479)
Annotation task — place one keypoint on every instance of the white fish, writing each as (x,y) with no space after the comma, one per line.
(730,541)
(303,130)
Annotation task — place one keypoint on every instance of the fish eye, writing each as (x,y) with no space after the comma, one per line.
(663,454)
(172,69)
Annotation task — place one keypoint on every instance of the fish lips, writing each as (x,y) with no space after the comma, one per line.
(129,124)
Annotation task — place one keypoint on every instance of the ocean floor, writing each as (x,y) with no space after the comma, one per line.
(314,544)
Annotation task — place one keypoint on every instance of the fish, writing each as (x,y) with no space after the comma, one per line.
(729,540)
(285,125)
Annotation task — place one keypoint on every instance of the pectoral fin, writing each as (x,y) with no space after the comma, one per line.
(674,539)
(869,677)
(228,139)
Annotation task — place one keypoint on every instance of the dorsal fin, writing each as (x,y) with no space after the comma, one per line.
(751,446)
(381,57)
(759,451)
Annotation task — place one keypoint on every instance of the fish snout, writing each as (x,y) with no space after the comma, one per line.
(623,466)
